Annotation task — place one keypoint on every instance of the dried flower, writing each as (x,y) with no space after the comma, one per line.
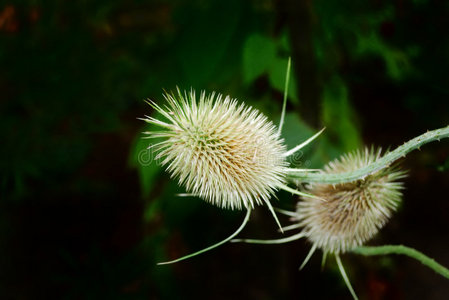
(352,212)
(223,152)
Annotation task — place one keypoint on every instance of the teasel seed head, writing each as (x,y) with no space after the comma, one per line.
(227,154)
(349,214)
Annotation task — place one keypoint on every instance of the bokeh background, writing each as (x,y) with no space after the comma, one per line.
(85,213)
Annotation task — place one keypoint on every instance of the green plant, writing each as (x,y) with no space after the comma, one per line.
(228,154)
(213,147)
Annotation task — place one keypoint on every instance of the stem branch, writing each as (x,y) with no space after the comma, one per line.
(400,249)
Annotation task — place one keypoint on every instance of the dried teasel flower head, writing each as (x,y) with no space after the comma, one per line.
(225,153)
(349,214)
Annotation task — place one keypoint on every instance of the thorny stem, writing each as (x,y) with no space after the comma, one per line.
(400,249)
(384,161)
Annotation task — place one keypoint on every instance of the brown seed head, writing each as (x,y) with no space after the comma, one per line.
(349,214)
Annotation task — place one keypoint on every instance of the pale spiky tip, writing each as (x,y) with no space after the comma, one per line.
(225,153)
(353,212)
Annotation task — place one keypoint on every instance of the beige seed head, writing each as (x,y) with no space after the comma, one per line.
(349,214)
(226,153)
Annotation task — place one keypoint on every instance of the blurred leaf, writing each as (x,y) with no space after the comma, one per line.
(338,116)
(144,160)
(276,75)
(151,210)
(259,52)
(261,55)
(444,167)
(294,133)
(201,47)
(396,62)
(326,151)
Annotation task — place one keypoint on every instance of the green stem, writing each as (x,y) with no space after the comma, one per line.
(400,249)
(379,164)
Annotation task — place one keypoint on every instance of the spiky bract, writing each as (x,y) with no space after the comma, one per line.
(349,214)
(225,153)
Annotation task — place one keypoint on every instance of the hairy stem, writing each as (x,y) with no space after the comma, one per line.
(400,249)
(384,161)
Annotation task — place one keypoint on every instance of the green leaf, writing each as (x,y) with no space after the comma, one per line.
(207,35)
(258,54)
(444,167)
(143,159)
(396,62)
(276,75)
(339,117)
(295,132)
(151,210)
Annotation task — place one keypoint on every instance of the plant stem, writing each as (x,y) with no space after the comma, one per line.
(400,249)
(379,164)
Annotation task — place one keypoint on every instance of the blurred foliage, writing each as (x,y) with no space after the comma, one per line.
(73,77)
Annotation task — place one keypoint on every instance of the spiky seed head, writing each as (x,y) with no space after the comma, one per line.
(349,214)
(226,153)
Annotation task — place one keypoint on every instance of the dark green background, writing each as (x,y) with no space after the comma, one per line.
(84,214)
